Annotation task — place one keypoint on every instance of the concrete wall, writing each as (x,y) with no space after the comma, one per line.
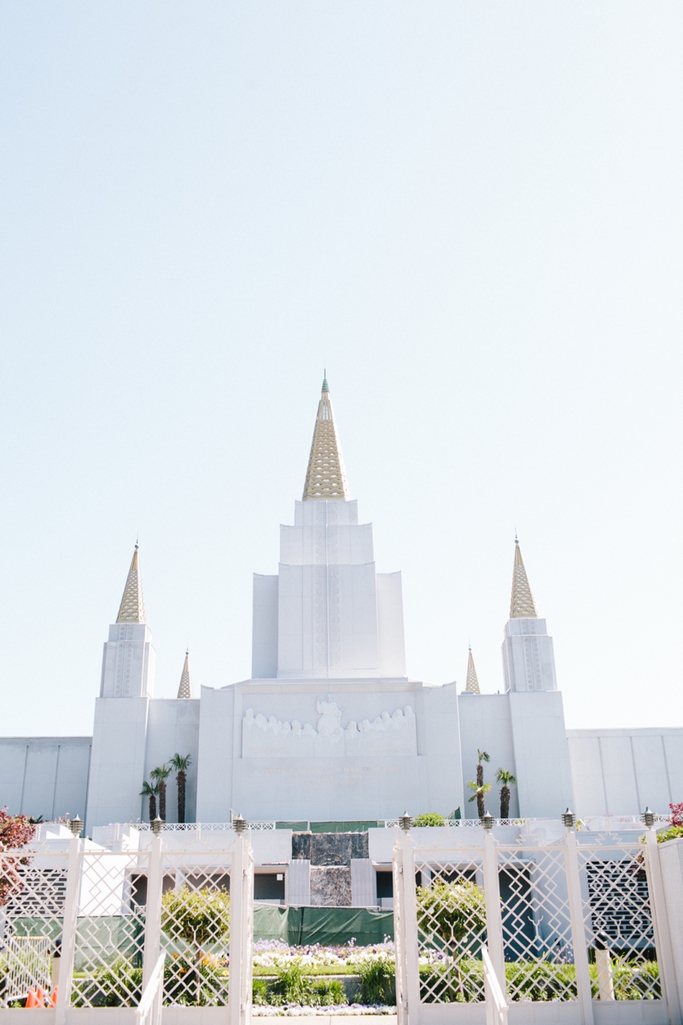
(619,772)
(45,776)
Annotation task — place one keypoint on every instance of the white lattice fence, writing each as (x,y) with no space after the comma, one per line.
(32,894)
(112,915)
(195,927)
(567,922)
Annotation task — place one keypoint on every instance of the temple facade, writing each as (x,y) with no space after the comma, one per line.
(330,727)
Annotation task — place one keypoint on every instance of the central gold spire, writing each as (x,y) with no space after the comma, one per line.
(132,608)
(325,476)
(522,600)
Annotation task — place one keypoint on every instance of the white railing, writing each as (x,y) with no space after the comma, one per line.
(496,1004)
(201,827)
(148,1011)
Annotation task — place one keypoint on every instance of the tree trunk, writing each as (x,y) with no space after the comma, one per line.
(181,796)
(162,799)
(481,811)
(505,802)
(152,807)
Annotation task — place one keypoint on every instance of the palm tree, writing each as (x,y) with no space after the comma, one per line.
(478,796)
(161,774)
(150,790)
(181,764)
(481,758)
(508,780)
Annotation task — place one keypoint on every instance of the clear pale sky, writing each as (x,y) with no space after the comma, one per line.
(470,213)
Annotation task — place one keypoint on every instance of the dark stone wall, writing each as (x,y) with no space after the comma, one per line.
(330,848)
(330,886)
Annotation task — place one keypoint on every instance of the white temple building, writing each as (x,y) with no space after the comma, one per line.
(330,727)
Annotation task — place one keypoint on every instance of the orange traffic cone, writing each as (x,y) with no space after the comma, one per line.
(31,999)
(40,997)
(53,998)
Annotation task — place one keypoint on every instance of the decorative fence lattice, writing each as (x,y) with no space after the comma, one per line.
(195,928)
(32,895)
(570,921)
(93,923)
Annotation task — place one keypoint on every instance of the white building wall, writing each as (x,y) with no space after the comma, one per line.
(528,656)
(218,744)
(173,727)
(45,776)
(264,627)
(392,651)
(323,781)
(544,784)
(117,767)
(485,725)
(619,772)
(128,662)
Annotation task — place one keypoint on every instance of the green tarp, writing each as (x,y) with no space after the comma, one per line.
(327,926)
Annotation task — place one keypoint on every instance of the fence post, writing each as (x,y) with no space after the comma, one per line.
(583,981)
(494,919)
(236,972)
(66,968)
(399,932)
(155,874)
(660,925)
(409,909)
(246,974)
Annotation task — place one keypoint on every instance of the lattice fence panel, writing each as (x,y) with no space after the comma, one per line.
(110,930)
(32,891)
(195,926)
(535,913)
(451,920)
(618,920)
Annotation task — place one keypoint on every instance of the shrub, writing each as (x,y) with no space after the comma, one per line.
(118,985)
(294,986)
(377,981)
(191,984)
(452,911)
(196,917)
(440,983)
(430,818)
(672,833)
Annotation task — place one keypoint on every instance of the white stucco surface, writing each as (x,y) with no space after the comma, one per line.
(619,772)
(416,762)
(45,776)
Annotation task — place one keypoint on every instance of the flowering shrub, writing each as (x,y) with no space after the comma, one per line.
(15,832)
(676,814)
(278,955)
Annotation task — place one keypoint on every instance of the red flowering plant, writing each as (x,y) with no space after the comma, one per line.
(15,832)
(676,814)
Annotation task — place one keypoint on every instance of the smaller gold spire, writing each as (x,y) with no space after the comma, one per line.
(185,686)
(522,600)
(132,608)
(472,685)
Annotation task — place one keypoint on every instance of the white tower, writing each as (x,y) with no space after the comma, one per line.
(328,613)
(128,661)
(528,658)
